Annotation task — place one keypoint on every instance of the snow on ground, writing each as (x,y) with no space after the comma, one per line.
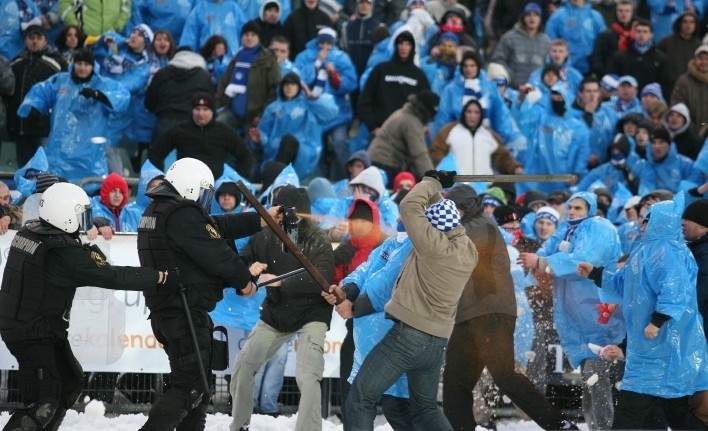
(75,421)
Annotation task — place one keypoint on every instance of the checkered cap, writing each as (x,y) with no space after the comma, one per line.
(443,215)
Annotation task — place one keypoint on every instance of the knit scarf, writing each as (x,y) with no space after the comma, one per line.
(473,90)
(318,86)
(625,36)
(572,226)
(244,59)
(642,48)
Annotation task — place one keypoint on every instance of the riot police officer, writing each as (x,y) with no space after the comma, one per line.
(47,262)
(175,231)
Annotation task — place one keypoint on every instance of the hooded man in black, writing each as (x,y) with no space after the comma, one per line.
(390,83)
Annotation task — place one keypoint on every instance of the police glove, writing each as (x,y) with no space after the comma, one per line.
(446,178)
(90,93)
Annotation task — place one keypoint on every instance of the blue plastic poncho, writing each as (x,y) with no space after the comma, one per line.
(569,76)
(450,108)
(168,15)
(74,121)
(380,54)
(305,67)
(286,176)
(117,61)
(556,145)
(579,26)
(574,297)
(39,163)
(376,278)
(524,332)
(229,175)
(666,174)
(210,17)
(302,118)
(660,275)
(603,128)
(253,9)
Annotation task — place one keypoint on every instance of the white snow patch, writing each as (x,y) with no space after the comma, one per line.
(592,380)
(95,409)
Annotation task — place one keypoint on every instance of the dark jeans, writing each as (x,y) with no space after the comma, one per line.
(489,341)
(346,362)
(183,405)
(634,409)
(403,350)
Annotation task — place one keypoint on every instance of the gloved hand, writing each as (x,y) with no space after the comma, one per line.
(90,93)
(446,178)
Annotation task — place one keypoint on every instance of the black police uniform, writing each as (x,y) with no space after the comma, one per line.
(44,268)
(177,233)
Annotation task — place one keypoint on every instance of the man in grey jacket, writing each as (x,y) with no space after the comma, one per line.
(423,306)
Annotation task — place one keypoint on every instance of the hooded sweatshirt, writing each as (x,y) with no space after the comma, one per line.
(169,94)
(390,84)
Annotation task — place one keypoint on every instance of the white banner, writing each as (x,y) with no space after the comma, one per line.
(109,330)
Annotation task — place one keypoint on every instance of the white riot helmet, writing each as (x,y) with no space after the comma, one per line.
(193,180)
(67,207)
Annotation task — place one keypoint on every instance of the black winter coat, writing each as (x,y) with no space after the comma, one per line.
(302,25)
(211,144)
(169,94)
(297,301)
(387,89)
(29,69)
(649,67)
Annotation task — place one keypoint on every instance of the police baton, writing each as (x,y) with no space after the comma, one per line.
(287,242)
(193,335)
(280,277)
(535,178)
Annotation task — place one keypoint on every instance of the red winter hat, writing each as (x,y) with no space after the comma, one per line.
(114,181)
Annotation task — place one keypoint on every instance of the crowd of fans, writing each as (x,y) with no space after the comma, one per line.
(356,101)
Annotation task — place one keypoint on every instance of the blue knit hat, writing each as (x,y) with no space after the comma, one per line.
(443,215)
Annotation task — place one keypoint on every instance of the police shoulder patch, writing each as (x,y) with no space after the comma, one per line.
(211,230)
(98,258)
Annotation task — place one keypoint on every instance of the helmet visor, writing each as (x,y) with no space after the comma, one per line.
(205,197)
(85,219)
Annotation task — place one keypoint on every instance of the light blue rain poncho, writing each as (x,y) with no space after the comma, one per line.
(666,174)
(556,145)
(660,276)
(15,17)
(701,166)
(524,332)
(579,26)
(575,298)
(168,15)
(664,13)
(39,163)
(133,211)
(570,77)
(210,17)
(75,120)
(603,129)
(286,176)
(305,67)
(376,278)
(229,175)
(500,120)
(117,61)
(302,118)
(379,54)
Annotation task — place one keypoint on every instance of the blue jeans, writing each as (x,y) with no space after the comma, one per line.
(269,381)
(403,350)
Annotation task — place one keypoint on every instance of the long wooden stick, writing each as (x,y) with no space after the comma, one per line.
(563,178)
(280,233)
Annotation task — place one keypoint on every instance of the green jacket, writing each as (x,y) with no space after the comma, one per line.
(95,17)
(263,80)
